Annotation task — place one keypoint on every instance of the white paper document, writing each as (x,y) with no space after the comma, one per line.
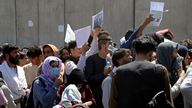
(82,36)
(156,10)
(70,35)
(30,23)
(61,28)
(97,20)
(122,40)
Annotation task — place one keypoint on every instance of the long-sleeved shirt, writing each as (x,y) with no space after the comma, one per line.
(175,90)
(8,94)
(43,97)
(106,88)
(70,65)
(94,72)
(94,69)
(127,44)
(30,73)
(142,79)
(15,79)
(186,88)
(3,99)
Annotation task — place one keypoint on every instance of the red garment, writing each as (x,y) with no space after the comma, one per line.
(166,32)
(87,95)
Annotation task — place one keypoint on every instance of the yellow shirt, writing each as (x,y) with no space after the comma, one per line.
(30,73)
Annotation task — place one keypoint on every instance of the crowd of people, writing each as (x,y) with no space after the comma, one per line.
(98,75)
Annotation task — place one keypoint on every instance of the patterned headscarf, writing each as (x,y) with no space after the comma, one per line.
(47,70)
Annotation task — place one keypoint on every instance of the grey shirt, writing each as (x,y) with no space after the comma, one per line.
(106,88)
(186,88)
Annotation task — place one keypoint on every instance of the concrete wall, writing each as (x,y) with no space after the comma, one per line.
(46,15)
(26,10)
(7,21)
(51,14)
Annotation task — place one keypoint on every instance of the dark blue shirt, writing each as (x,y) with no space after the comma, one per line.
(128,44)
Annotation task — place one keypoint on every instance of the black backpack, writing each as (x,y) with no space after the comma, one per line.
(30,103)
(160,101)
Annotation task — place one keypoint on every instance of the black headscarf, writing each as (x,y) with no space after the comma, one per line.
(76,77)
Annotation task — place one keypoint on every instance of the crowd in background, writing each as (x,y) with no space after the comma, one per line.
(98,75)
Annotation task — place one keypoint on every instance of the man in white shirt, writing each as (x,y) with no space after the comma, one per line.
(78,56)
(13,74)
(186,86)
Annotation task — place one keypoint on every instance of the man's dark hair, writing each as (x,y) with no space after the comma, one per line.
(118,55)
(157,38)
(7,48)
(187,43)
(22,55)
(103,39)
(128,34)
(34,52)
(45,46)
(144,44)
(190,53)
(71,45)
(65,47)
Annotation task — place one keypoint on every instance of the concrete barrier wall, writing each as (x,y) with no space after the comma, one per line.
(7,21)
(51,15)
(47,15)
(27,11)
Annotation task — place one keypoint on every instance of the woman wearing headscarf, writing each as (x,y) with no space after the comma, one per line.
(167,56)
(77,91)
(45,87)
(52,50)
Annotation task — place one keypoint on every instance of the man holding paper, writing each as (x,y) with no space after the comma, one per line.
(137,33)
(97,68)
(79,49)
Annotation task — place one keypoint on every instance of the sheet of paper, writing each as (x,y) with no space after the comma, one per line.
(61,28)
(82,35)
(70,35)
(158,6)
(122,40)
(156,10)
(30,23)
(97,20)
